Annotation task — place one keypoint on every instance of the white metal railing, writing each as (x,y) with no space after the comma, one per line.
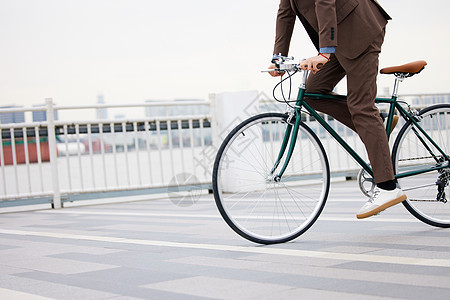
(85,159)
(58,161)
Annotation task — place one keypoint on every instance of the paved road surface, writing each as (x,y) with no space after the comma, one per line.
(158,250)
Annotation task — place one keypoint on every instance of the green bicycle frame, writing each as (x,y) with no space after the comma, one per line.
(292,132)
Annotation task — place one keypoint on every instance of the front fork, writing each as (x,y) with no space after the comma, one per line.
(290,137)
(293,124)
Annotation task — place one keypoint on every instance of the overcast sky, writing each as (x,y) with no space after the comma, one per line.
(136,50)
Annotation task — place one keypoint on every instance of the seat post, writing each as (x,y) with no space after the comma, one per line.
(398,78)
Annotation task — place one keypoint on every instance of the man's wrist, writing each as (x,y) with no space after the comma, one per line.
(325,55)
(327,50)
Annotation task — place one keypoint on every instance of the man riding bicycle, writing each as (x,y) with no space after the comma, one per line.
(348,35)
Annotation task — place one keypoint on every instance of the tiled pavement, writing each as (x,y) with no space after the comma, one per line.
(158,250)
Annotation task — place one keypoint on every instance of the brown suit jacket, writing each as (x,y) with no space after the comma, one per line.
(348,25)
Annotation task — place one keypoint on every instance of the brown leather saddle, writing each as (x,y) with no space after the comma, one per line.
(405,70)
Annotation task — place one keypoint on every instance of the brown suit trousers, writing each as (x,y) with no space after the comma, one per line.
(356,29)
(359,111)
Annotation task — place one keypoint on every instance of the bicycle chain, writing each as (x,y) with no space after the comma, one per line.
(423,200)
(423,157)
(444,176)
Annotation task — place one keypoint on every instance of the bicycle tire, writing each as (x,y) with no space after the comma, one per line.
(250,201)
(409,153)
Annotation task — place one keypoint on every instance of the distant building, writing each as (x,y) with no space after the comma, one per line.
(181,110)
(430,99)
(41,115)
(102,113)
(12,117)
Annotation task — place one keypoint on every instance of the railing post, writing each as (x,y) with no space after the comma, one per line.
(230,109)
(227,111)
(53,153)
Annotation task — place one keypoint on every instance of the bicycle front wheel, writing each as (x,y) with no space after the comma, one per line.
(427,193)
(252,200)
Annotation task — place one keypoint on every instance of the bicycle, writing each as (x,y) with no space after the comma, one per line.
(271,175)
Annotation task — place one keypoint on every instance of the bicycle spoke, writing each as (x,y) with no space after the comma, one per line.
(412,151)
(253,201)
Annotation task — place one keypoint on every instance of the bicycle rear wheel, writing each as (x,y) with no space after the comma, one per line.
(251,200)
(427,193)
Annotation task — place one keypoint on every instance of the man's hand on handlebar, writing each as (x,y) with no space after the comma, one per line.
(282,64)
(315,63)
(275,73)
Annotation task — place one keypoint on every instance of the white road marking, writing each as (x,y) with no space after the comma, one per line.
(270,250)
(218,216)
